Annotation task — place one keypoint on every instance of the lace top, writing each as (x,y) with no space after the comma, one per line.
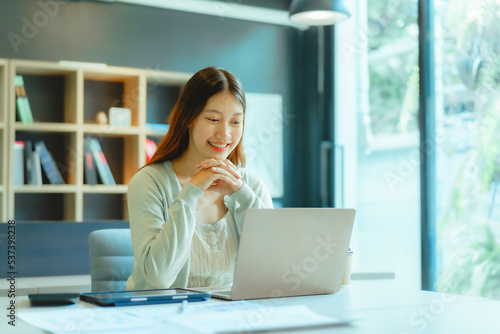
(213,253)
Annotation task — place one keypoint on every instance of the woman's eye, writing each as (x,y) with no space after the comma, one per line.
(237,122)
(212,119)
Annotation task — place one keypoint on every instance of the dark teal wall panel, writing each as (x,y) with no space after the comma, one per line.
(139,36)
(261,55)
(51,248)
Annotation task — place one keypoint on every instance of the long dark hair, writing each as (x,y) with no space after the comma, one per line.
(194,96)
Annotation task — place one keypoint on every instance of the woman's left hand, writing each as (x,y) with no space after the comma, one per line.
(228,170)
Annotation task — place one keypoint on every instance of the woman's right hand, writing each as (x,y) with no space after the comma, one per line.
(217,175)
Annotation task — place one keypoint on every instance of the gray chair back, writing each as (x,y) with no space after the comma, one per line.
(111,259)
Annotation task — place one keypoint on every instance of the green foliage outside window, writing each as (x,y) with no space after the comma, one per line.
(469,42)
(468,228)
(393,55)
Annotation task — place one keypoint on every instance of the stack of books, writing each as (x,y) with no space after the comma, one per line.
(30,159)
(95,163)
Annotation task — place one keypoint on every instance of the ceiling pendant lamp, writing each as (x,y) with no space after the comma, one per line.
(318,12)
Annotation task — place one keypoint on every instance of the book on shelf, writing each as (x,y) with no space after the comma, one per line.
(31,163)
(101,163)
(28,162)
(22,103)
(48,163)
(89,163)
(18,163)
(157,128)
(150,148)
(36,168)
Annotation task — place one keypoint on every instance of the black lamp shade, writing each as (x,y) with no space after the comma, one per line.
(318,12)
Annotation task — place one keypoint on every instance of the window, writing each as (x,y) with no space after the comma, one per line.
(377,80)
(377,136)
(467,68)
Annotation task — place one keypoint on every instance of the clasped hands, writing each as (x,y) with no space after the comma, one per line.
(217,175)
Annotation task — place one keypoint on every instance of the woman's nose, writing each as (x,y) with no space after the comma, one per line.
(223,131)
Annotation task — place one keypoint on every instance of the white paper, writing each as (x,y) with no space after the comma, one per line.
(78,319)
(81,320)
(256,319)
(218,317)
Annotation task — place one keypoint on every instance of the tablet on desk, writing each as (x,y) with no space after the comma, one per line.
(143,297)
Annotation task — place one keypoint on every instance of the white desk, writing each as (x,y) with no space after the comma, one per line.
(47,284)
(377,307)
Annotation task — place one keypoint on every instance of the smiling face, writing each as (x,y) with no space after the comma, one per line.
(218,129)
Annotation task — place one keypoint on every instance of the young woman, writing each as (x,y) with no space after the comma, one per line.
(186,205)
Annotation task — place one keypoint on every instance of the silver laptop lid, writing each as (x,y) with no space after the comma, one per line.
(292,252)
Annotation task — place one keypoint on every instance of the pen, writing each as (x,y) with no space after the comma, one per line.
(183,306)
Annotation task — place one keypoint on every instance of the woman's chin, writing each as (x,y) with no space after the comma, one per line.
(218,156)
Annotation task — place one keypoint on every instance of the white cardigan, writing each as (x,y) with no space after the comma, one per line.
(163,219)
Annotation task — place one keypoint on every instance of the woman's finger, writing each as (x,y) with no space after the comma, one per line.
(226,164)
(209,163)
(230,164)
(231,170)
(226,175)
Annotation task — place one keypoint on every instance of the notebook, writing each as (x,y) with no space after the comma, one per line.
(289,252)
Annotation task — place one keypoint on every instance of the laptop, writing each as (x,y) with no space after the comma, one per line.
(289,252)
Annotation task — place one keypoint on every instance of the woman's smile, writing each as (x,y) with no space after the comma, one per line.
(219,147)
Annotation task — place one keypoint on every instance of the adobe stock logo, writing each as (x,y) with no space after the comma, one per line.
(264,136)
(420,320)
(299,272)
(30,27)
(295,275)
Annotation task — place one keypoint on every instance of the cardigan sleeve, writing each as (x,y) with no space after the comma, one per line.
(161,243)
(254,194)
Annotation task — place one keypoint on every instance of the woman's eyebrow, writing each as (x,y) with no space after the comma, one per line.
(239,113)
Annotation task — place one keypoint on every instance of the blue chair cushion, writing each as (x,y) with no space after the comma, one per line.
(111,259)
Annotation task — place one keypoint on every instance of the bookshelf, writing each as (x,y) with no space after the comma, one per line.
(3,139)
(64,103)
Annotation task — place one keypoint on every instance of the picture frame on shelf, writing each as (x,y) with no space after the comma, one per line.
(120,117)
